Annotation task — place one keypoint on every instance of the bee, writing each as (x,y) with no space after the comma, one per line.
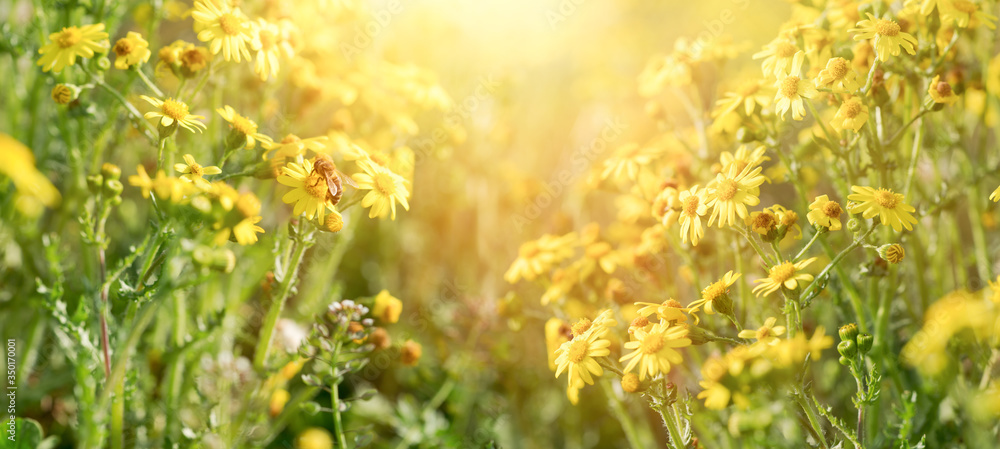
(325,167)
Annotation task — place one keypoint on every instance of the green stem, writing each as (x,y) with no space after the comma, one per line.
(808,245)
(857,242)
(267,331)
(673,430)
(813,420)
(149,84)
(755,246)
(338,425)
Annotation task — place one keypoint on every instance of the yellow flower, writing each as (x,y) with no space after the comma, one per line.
(715,394)
(838,73)
(940,91)
(243,129)
(63,94)
(174,112)
(387,307)
(71,42)
(141,180)
(764,223)
(628,159)
(193,172)
(767,334)
(243,222)
(557,332)
(749,95)
(314,438)
(576,357)
(792,90)
(654,350)
(887,37)
(309,190)
(669,310)
(783,274)
(778,56)
(693,207)
(824,212)
(539,256)
(888,205)
(716,295)
(385,189)
(730,194)
(225,28)
(961,11)
(743,157)
(851,115)
(131,50)
(995,196)
(292,146)
(269,44)
(33,187)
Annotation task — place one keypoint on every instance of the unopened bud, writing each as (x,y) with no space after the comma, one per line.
(849,332)
(865,342)
(848,348)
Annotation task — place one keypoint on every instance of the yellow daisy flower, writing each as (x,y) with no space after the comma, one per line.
(764,223)
(141,180)
(670,310)
(33,187)
(940,91)
(838,74)
(292,146)
(717,291)
(385,189)
(174,112)
(245,230)
(783,274)
(888,38)
(539,256)
(749,95)
(729,194)
(743,157)
(693,207)
(888,205)
(387,307)
(131,50)
(792,89)
(964,12)
(224,27)
(576,357)
(269,43)
(309,190)
(193,172)
(767,334)
(778,56)
(825,212)
(851,115)
(71,42)
(656,349)
(243,129)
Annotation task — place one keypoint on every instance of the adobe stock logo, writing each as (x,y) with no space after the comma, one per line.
(365,35)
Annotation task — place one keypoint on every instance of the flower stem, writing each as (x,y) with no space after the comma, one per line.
(618,407)
(857,242)
(670,422)
(267,331)
(338,425)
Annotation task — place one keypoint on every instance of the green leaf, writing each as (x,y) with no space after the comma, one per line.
(27,434)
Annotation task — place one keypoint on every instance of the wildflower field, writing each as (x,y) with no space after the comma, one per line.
(323,224)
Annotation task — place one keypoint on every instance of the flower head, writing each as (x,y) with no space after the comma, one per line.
(385,189)
(71,42)
(693,207)
(851,115)
(194,172)
(887,35)
(387,307)
(767,334)
(244,131)
(270,44)
(888,205)
(224,27)
(784,274)
(131,50)
(656,349)
(941,92)
(172,113)
(839,74)
(576,357)
(730,194)
(825,213)
(309,190)
(792,90)
(715,297)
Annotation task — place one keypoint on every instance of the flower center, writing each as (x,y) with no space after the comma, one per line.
(886,199)
(782,273)
(886,28)
(838,68)
(577,351)
(194,59)
(672,303)
(291,138)
(943,89)
(763,333)
(765,221)
(714,291)
(123,47)
(691,204)
(964,6)
(639,321)
(69,37)
(266,39)
(244,125)
(789,86)
(651,344)
(832,209)
(315,186)
(727,190)
(785,50)
(230,24)
(852,109)
(174,109)
(582,326)
(196,169)
(385,184)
